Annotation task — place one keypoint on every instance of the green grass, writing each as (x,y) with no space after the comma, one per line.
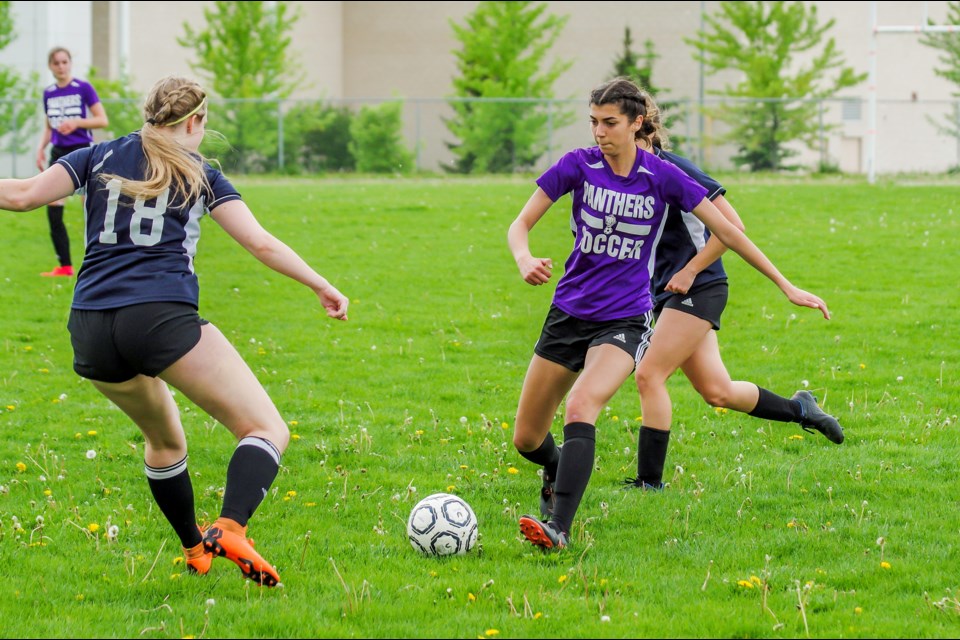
(411,395)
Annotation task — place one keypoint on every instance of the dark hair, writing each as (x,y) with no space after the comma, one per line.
(634,102)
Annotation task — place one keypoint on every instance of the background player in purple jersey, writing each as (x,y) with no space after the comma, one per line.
(600,321)
(690,293)
(71,108)
(134,323)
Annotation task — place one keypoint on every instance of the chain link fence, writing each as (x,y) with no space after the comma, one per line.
(311,136)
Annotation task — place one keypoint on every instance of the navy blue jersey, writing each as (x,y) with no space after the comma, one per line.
(136,251)
(684,235)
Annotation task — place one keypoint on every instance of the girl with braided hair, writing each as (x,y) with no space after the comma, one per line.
(134,321)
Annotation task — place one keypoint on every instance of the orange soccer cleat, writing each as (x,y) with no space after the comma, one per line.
(227,539)
(59,271)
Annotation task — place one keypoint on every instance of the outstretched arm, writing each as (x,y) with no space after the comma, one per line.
(711,252)
(739,242)
(25,195)
(534,271)
(238,221)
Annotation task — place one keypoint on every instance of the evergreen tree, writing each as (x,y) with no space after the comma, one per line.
(761,40)
(244,54)
(504,45)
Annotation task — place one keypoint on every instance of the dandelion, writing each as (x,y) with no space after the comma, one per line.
(504,425)
(604,618)
(113,532)
(291,494)
(492,632)
(899,378)
(28,348)
(805,383)
(796,437)
(91,454)
(451,488)
(791,524)
(746,584)
(858,610)
(43,370)
(93,527)
(562,579)
(174,576)
(463,419)
(47,492)
(11,407)
(293,423)
(884,565)
(615,418)
(79,597)
(295,437)
(78,435)
(755,580)
(471,597)
(4,490)
(513,471)
(537,615)
(178,560)
(418,432)
(862,366)
(211,602)
(91,433)
(21,467)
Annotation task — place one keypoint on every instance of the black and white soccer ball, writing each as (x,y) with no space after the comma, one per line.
(442,525)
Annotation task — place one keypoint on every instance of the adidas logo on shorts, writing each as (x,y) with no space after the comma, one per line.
(687,303)
(621,337)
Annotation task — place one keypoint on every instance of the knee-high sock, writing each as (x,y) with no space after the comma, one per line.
(58,233)
(173,492)
(252,469)
(573,472)
(652,455)
(770,406)
(547,455)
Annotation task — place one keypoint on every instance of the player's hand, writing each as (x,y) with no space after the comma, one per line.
(803,298)
(67,127)
(41,160)
(334,302)
(681,281)
(535,271)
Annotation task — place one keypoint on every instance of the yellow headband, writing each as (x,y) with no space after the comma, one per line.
(195,110)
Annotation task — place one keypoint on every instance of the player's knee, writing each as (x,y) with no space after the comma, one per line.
(582,407)
(715,395)
(526,441)
(648,380)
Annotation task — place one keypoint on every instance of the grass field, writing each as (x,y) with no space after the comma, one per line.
(764,531)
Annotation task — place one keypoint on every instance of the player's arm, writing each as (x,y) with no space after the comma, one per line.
(96,120)
(238,221)
(25,195)
(739,242)
(534,271)
(44,141)
(711,252)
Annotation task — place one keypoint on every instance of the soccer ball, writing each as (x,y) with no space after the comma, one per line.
(441,525)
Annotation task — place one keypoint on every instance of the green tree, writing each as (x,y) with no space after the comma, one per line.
(948,43)
(317,136)
(777,94)
(375,140)
(244,55)
(123,105)
(503,48)
(639,68)
(18,91)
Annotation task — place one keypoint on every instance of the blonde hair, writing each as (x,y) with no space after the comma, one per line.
(169,164)
(634,102)
(57,50)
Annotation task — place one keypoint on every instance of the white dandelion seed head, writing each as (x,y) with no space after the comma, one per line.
(42,478)
(211,602)
(40,520)
(91,454)
(113,532)
(4,490)
(805,383)
(604,618)
(899,378)
(463,419)
(63,396)
(880,541)
(626,451)
(679,470)
(373,347)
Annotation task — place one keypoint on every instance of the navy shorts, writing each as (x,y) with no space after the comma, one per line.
(565,339)
(706,302)
(114,345)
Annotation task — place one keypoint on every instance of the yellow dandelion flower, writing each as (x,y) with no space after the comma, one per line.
(537,615)
(79,597)
(746,584)
(433,574)
(513,470)
(295,437)
(293,423)
(78,435)
(11,407)
(310,504)
(603,582)
(863,366)
(858,610)
(28,348)
(504,425)
(791,524)
(178,560)
(418,432)
(91,432)
(291,494)
(44,370)
(471,597)
(261,351)
(93,527)
(174,576)
(492,632)
(755,580)
(47,492)
(21,467)
(451,488)
(55,400)
(639,418)
(796,437)
(884,565)
(562,579)
(615,418)
(463,466)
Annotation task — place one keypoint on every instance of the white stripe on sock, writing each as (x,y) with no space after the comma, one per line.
(164,473)
(260,443)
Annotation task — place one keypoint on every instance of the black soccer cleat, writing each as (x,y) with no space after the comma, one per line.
(637,483)
(815,418)
(542,534)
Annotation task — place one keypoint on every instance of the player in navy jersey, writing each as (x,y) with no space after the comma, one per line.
(690,293)
(134,324)
(71,108)
(600,322)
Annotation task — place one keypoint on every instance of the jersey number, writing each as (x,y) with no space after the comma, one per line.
(141,212)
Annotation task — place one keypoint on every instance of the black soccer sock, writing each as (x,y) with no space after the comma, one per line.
(651,455)
(251,471)
(770,406)
(173,492)
(573,472)
(547,455)
(58,233)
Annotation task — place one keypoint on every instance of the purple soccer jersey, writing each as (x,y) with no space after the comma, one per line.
(619,222)
(67,103)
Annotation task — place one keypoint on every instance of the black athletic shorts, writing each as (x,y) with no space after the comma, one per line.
(565,339)
(114,345)
(706,302)
(58,152)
